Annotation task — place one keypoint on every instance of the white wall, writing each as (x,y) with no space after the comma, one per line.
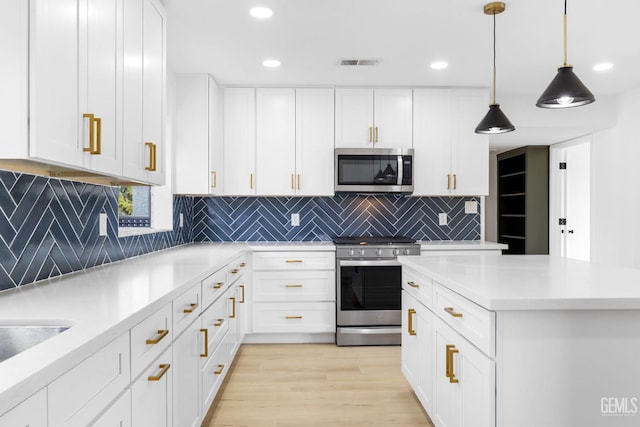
(615,191)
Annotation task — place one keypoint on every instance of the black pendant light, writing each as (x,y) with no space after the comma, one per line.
(565,90)
(494,121)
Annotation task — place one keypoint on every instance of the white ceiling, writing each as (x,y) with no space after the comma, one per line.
(219,37)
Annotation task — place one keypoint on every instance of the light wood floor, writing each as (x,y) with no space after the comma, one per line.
(316,385)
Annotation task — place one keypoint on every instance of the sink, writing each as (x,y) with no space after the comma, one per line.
(15,339)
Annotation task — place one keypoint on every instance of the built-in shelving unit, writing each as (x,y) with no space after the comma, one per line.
(523,200)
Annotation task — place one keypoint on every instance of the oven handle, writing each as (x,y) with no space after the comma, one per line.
(370,263)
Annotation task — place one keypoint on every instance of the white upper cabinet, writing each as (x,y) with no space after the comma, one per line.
(314,142)
(450,158)
(276,140)
(197,152)
(240,141)
(380,118)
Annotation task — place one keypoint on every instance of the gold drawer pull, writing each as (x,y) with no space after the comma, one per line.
(455,181)
(251,182)
(299,182)
(219,323)
(448,181)
(161,334)
(293,261)
(452,312)
(234,271)
(376,133)
(214,178)
(242,301)
(219,371)
(206,342)
(150,167)
(233,304)
(163,370)
(451,350)
(410,314)
(243,264)
(218,285)
(192,307)
(293,286)
(293,317)
(370,134)
(92,133)
(413,284)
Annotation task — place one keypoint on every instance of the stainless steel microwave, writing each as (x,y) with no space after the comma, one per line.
(366,170)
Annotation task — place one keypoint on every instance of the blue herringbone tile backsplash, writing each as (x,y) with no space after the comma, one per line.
(240,219)
(49,227)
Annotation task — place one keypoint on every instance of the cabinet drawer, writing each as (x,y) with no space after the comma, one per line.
(288,261)
(30,413)
(213,286)
(308,317)
(294,286)
(213,373)
(152,393)
(118,415)
(149,338)
(237,267)
(78,396)
(418,286)
(216,323)
(469,319)
(186,309)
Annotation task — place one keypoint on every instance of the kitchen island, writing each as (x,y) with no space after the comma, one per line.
(522,340)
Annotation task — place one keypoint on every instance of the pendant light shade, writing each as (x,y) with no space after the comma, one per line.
(565,90)
(495,120)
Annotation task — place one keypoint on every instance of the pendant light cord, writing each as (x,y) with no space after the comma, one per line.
(565,34)
(494,58)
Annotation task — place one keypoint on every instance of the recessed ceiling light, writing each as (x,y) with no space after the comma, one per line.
(603,66)
(439,65)
(271,63)
(261,12)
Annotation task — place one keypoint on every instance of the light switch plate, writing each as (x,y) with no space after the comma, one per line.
(181,220)
(442,219)
(102,224)
(471,207)
(295,219)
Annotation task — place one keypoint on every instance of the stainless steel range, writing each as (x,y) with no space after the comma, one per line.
(369,285)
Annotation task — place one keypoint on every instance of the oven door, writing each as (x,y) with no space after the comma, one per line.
(369,293)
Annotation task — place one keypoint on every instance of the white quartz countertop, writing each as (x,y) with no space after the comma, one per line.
(533,282)
(460,245)
(100,304)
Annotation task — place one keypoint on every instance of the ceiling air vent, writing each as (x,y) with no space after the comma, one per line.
(358,62)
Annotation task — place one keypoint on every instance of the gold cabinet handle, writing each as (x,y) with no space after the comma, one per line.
(219,371)
(206,342)
(98,147)
(293,261)
(292,286)
(218,323)
(150,145)
(293,317)
(299,186)
(233,304)
(242,301)
(192,307)
(448,181)
(452,312)
(92,135)
(451,350)
(447,370)
(410,314)
(243,264)
(234,271)
(155,157)
(214,179)
(455,181)
(161,334)
(293,187)
(413,284)
(370,134)
(376,133)
(163,370)
(251,182)
(218,285)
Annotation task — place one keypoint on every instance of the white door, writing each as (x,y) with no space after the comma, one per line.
(432,136)
(186,375)
(276,142)
(239,141)
(314,142)
(216,151)
(572,192)
(470,156)
(424,329)
(393,113)
(354,118)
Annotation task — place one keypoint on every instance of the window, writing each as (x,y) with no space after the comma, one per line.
(134,206)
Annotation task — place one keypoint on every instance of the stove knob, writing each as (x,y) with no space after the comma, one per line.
(362,252)
(379,252)
(396,251)
(351,252)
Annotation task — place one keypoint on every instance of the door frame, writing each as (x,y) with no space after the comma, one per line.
(555,192)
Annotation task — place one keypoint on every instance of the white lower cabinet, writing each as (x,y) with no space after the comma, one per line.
(187,350)
(300,317)
(118,415)
(30,413)
(152,394)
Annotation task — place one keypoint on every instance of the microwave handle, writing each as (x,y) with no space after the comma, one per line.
(400,170)
(369,263)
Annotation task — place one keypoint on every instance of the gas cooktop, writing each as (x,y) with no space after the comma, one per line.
(372,240)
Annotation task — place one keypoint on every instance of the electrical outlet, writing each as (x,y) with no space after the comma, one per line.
(102,224)
(295,220)
(471,207)
(181,220)
(442,219)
